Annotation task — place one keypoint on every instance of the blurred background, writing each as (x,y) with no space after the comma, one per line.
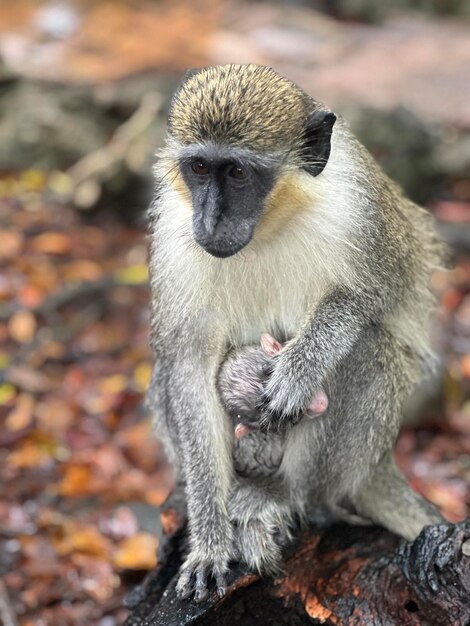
(84,89)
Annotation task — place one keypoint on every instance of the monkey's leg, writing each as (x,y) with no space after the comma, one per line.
(389,501)
(199,428)
(368,393)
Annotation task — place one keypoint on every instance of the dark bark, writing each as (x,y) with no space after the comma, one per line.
(338,575)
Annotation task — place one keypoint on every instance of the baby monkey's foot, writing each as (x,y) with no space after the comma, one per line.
(259,546)
(264,525)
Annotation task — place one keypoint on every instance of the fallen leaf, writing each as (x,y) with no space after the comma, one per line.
(36,450)
(33,180)
(142,374)
(83,270)
(96,576)
(22,414)
(22,326)
(86,540)
(122,525)
(7,393)
(138,552)
(30,296)
(52,243)
(133,275)
(29,379)
(11,243)
(54,415)
(76,481)
(60,183)
(465,366)
(113,384)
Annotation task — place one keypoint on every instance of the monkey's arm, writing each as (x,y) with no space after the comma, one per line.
(327,337)
(204,442)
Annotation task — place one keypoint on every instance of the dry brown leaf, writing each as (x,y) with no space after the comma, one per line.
(29,379)
(83,270)
(54,415)
(96,576)
(85,540)
(22,414)
(30,296)
(37,449)
(142,374)
(7,394)
(140,445)
(52,243)
(11,243)
(157,494)
(76,481)
(22,326)
(465,366)
(138,552)
(133,275)
(113,385)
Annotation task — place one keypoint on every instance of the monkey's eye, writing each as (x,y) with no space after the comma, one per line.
(200,167)
(236,172)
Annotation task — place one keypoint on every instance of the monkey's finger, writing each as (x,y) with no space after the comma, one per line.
(241,430)
(184,587)
(200,588)
(221,583)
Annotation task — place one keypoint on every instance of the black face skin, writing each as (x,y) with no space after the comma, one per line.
(229,187)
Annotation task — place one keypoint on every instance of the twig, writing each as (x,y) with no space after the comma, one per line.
(92,170)
(7,614)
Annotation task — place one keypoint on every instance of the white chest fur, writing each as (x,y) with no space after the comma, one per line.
(267,287)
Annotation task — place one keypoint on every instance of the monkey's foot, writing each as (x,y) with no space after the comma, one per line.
(194,576)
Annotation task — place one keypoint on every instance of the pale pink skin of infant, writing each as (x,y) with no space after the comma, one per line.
(318,404)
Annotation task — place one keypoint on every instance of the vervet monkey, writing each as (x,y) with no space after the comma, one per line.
(270,216)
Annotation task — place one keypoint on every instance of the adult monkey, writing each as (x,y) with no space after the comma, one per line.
(271,217)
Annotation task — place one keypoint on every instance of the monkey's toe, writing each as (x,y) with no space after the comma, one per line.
(193,581)
(184,586)
(200,588)
(221,582)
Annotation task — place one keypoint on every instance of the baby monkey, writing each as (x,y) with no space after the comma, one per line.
(240,384)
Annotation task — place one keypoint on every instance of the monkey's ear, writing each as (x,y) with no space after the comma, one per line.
(317,143)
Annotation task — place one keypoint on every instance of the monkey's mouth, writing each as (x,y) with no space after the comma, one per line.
(221,249)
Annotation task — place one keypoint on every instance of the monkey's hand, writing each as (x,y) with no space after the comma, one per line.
(202,564)
(288,391)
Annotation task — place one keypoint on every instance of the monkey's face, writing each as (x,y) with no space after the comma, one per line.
(233,130)
(228,187)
